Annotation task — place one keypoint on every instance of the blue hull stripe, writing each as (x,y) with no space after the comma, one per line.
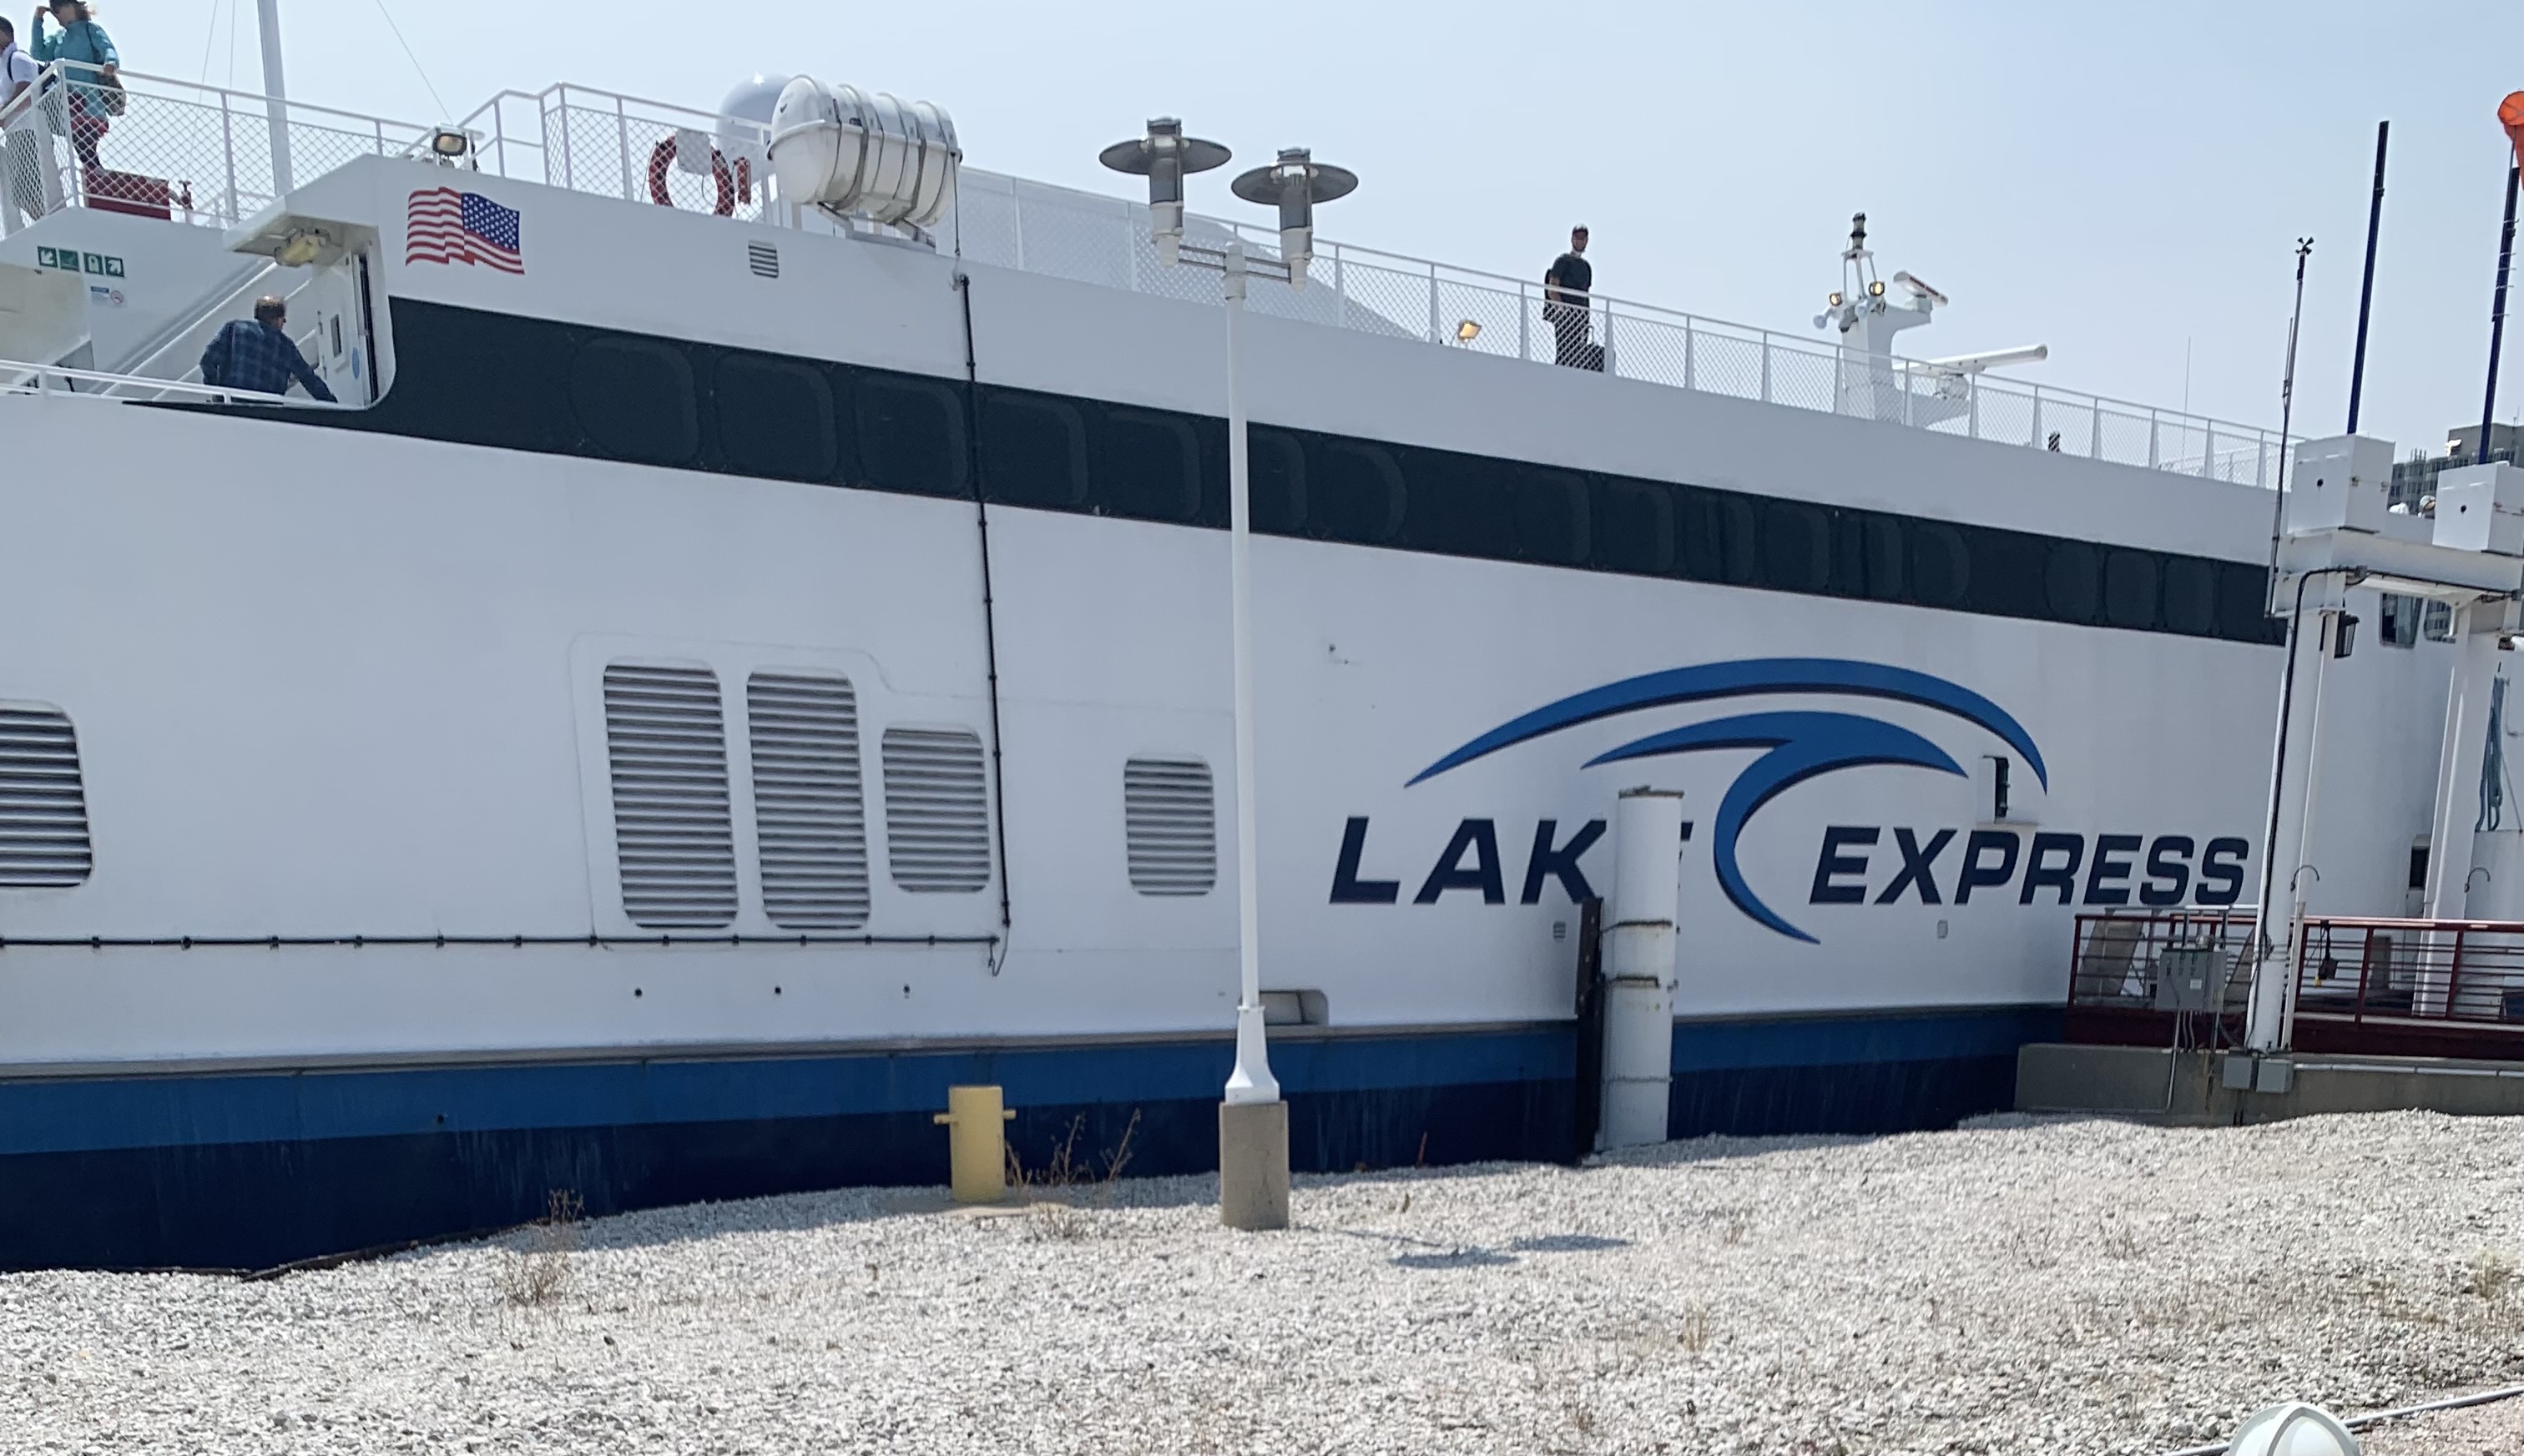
(249,1170)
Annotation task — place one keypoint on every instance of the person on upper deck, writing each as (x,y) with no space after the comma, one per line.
(84,43)
(1566,307)
(256,354)
(17,68)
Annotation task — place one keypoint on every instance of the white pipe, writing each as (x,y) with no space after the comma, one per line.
(2466,740)
(1251,1081)
(1639,967)
(277,90)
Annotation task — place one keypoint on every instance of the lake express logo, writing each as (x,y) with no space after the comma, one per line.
(1805,745)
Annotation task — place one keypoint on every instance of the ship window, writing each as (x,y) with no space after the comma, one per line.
(1551,516)
(1940,565)
(1717,537)
(43,807)
(1796,548)
(1034,452)
(477,378)
(1634,527)
(2069,584)
(775,419)
(1357,494)
(810,815)
(2243,596)
(2435,623)
(1461,505)
(1881,551)
(2129,589)
(1152,467)
(937,810)
(668,752)
(911,437)
(2191,596)
(2400,620)
(1170,825)
(634,401)
(1275,480)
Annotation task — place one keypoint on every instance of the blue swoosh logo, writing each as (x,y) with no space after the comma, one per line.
(1832,676)
(1802,744)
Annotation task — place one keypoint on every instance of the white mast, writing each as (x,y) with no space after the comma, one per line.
(277,90)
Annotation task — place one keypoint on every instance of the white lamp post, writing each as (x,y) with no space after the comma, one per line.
(1252,1121)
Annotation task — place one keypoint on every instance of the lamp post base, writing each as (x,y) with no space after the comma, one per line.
(1253,1165)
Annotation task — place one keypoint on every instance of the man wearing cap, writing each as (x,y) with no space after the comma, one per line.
(1566,308)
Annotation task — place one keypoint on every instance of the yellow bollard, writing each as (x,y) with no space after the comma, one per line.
(977,1148)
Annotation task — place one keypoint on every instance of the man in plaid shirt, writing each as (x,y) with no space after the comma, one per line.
(259,355)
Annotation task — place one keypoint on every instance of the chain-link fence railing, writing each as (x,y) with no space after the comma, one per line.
(203,154)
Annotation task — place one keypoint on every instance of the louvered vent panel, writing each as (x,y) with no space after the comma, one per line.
(1170,825)
(43,810)
(809,812)
(668,751)
(937,810)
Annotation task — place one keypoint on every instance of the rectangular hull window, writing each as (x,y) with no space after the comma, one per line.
(43,809)
(1170,825)
(668,753)
(937,810)
(809,812)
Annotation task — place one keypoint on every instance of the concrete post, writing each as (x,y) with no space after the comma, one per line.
(1639,967)
(1253,1165)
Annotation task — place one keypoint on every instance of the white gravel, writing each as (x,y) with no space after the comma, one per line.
(2013,1287)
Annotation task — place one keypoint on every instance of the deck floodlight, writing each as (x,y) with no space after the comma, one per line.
(299,248)
(448,143)
(1165,157)
(1294,184)
(1875,288)
(1467,331)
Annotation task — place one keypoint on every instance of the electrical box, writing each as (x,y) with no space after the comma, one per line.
(2343,483)
(2481,508)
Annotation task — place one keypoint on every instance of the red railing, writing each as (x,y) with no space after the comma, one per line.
(2136,977)
(2386,986)
(2412,972)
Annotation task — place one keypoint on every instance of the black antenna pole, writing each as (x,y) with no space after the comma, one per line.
(2366,291)
(2498,318)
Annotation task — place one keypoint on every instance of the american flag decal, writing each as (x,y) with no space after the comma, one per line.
(445,225)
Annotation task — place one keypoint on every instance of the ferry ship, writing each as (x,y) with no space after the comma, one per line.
(730,668)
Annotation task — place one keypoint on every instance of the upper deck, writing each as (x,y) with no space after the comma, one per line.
(216,158)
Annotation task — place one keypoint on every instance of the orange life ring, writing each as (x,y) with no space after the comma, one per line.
(662,158)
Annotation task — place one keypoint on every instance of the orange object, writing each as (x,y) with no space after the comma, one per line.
(2510,114)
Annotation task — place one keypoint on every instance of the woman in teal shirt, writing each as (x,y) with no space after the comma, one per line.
(83,41)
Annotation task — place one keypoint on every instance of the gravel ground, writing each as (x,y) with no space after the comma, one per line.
(2490,1430)
(2011,1287)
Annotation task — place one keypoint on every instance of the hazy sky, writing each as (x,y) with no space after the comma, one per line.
(2123,182)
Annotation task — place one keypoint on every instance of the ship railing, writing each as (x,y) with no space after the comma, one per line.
(205,153)
(18,377)
(181,150)
(585,140)
(1093,238)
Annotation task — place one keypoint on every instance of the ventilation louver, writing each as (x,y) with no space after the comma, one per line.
(937,810)
(763,259)
(809,814)
(43,809)
(668,753)
(1170,825)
